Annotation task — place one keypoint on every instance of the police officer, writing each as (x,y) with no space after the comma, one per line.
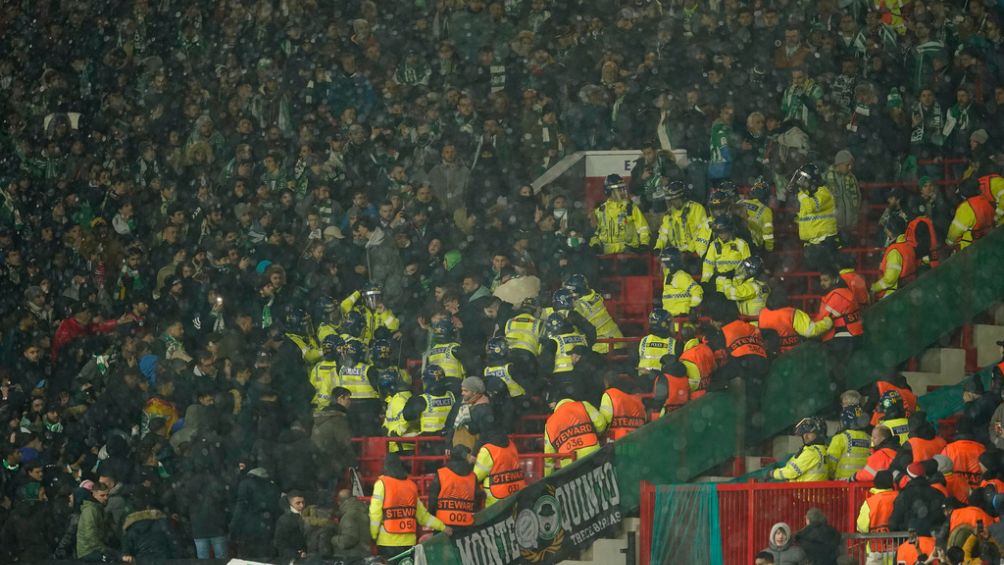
(759,216)
(725,252)
(894,415)
(523,332)
(396,422)
(353,327)
(295,354)
(658,343)
(355,374)
(685,224)
(574,426)
(453,490)
(382,357)
(330,318)
(378,320)
(680,293)
(723,204)
(589,304)
(445,352)
(324,375)
(746,288)
(396,510)
(850,447)
(563,304)
(809,464)
(620,224)
(816,218)
(556,351)
(503,371)
(435,402)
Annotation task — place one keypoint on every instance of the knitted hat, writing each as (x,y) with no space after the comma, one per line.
(473,384)
(894,100)
(979,136)
(843,156)
(916,470)
(922,181)
(451,259)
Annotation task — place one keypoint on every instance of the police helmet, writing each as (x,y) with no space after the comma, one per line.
(612,183)
(372,294)
(760,189)
(563,299)
(728,191)
(529,305)
(718,201)
(381,351)
(852,417)
(443,330)
(807,177)
(331,346)
(676,189)
(353,324)
(556,325)
(721,224)
(497,348)
(811,425)
(296,319)
(434,379)
(660,322)
(891,405)
(389,381)
(671,259)
(353,351)
(578,284)
(750,267)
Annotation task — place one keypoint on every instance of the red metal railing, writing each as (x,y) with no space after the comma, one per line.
(747,512)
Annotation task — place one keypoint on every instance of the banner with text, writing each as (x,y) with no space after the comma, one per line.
(551,519)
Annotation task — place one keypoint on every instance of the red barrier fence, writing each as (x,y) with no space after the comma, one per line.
(747,511)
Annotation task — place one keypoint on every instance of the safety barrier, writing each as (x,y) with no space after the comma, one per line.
(747,512)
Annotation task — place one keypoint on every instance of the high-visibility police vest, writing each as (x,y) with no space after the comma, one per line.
(400,500)
(742,338)
(395,424)
(651,350)
(506,477)
(593,310)
(781,322)
(324,378)
(523,331)
(355,379)
(628,413)
(563,352)
(437,410)
(816,217)
(502,372)
(325,329)
(455,505)
(570,428)
(857,448)
(909,400)
(676,293)
(442,354)
(899,427)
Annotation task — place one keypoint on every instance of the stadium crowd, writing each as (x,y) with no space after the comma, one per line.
(224,227)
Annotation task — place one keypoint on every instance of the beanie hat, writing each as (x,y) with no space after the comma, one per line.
(883,479)
(451,259)
(930,467)
(843,156)
(979,136)
(923,181)
(894,100)
(473,384)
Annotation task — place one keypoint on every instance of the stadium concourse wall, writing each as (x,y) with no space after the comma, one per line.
(703,434)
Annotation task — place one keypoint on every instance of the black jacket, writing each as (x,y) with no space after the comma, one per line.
(290,536)
(256,509)
(820,542)
(918,507)
(148,536)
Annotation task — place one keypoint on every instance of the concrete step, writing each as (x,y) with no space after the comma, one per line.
(630,525)
(997,312)
(920,381)
(947,361)
(985,338)
(605,551)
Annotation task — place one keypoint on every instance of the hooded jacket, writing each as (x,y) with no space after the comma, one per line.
(147,535)
(352,539)
(786,554)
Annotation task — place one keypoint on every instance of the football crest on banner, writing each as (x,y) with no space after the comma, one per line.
(538,528)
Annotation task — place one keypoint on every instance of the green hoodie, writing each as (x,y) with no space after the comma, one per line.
(92,529)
